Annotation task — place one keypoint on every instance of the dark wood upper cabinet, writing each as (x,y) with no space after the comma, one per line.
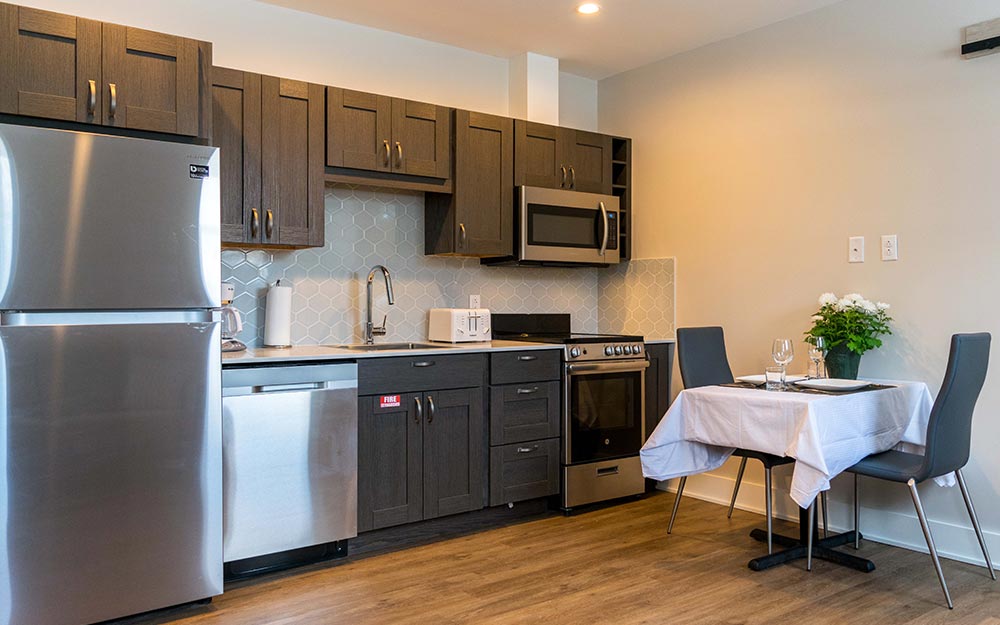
(292,180)
(67,68)
(359,127)
(561,158)
(237,132)
(388,137)
(270,133)
(51,65)
(477,218)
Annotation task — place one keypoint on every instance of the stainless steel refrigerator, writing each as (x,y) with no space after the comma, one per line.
(110,376)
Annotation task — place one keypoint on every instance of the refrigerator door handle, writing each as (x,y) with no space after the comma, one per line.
(17,318)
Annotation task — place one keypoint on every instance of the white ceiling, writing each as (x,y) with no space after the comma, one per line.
(624,35)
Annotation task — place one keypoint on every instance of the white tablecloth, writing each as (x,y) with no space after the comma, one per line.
(825,434)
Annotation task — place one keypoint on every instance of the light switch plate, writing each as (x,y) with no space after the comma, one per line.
(890,247)
(474,301)
(856,250)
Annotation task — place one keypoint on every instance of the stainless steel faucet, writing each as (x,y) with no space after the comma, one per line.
(370,330)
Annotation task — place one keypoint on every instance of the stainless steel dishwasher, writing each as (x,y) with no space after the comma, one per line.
(290,457)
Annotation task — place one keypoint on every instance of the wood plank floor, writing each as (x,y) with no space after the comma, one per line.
(615,565)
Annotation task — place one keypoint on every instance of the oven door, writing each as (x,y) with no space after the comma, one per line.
(568,226)
(604,408)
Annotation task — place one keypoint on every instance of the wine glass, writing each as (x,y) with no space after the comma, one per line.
(817,353)
(783,352)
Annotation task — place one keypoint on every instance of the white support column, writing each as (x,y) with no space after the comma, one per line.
(534,88)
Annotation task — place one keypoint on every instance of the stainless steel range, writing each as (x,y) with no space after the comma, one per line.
(603,405)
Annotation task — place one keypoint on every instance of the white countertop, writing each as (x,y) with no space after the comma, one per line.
(303,353)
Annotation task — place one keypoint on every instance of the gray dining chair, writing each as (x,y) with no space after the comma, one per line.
(949,432)
(701,355)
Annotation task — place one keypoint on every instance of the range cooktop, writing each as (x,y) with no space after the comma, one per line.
(555,329)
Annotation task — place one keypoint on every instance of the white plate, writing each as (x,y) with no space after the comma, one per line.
(833,384)
(758,379)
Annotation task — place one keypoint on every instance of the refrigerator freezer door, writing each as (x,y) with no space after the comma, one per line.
(111,488)
(95,222)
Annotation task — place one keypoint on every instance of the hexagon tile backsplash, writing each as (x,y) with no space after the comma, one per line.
(638,298)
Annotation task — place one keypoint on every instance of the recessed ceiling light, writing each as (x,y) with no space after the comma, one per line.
(588,8)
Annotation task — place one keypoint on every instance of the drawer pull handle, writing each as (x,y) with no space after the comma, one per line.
(527,391)
(527,450)
(608,471)
(424,363)
(527,358)
(420,410)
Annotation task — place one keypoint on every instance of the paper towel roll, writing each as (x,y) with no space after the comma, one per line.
(278,316)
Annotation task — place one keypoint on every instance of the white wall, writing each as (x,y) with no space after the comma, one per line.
(577,102)
(756,158)
(273,40)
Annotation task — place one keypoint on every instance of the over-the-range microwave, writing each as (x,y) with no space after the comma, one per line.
(559,227)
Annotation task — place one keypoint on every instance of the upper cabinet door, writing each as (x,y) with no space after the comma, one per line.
(484,190)
(151,81)
(236,131)
(421,135)
(588,157)
(51,65)
(539,159)
(292,148)
(359,128)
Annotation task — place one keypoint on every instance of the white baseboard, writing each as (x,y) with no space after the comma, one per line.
(891,527)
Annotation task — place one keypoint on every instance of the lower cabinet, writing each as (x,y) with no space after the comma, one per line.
(420,456)
(658,376)
(524,471)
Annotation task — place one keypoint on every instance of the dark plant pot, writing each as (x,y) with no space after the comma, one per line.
(842,363)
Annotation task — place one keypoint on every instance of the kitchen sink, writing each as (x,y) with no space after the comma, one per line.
(378,347)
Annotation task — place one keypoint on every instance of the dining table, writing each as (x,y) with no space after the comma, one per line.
(825,431)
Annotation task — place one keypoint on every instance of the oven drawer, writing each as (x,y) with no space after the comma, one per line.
(528,366)
(524,471)
(407,374)
(524,412)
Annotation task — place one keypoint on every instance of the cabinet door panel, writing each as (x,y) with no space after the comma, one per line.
(590,161)
(150,81)
(454,443)
(359,130)
(390,472)
(236,131)
(49,61)
(484,189)
(292,147)
(421,135)
(539,158)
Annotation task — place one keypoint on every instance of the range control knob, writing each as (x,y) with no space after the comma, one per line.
(636,349)
(618,350)
(574,353)
(609,351)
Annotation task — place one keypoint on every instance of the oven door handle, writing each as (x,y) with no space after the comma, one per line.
(604,229)
(603,367)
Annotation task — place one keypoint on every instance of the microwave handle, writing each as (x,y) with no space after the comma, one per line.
(604,223)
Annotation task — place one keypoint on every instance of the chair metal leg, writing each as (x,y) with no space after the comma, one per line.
(826,520)
(767,508)
(809,540)
(930,540)
(975,522)
(677,502)
(736,488)
(857,514)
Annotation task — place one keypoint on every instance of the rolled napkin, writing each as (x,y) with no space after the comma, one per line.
(278,316)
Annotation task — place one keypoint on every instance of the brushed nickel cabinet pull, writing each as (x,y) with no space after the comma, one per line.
(572,177)
(113,106)
(563,170)
(527,450)
(420,410)
(527,391)
(399,154)
(269,224)
(430,409)
(92,97)
(463,238)
(254,223)
(527,358)
(424,363)
(385,142)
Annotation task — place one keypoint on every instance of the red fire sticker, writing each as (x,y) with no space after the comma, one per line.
(388,401)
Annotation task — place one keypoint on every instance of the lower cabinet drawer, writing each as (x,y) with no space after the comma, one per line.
(524,412)
(524,471)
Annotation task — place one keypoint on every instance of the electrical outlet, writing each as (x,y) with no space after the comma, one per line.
(856,250)
(890,247)
(474,301)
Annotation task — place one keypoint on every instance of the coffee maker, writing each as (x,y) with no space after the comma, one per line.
(232,322)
